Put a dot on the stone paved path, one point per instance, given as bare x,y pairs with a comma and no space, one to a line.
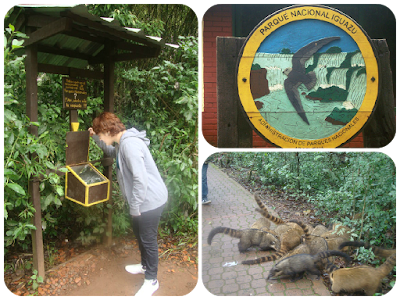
233,206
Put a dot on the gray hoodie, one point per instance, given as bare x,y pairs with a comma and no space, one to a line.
137,174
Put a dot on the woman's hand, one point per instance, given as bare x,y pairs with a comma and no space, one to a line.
91,132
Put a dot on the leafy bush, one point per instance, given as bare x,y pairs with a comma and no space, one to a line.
26,156
170,125
359,189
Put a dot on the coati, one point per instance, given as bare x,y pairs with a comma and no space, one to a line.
303,247
300,263
311,244
334,243
289,235
336,236
264,210
248,238
262,223
315,243
362,278
288,240
319,230
299,249
282,225
381,252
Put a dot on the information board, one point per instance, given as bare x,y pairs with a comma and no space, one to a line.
74,93
308,77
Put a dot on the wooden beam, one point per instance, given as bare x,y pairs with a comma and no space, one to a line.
73,118
39,20
20,22
234,130
128,46
31,68
380,129
109,78
73,72
135,52
59,26
108,232
84,73
135,55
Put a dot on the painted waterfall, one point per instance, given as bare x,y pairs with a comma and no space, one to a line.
343,71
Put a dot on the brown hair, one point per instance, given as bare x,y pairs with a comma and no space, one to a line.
108,122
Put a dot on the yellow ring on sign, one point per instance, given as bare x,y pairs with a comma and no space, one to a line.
250,48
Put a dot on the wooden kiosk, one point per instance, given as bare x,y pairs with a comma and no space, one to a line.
67,40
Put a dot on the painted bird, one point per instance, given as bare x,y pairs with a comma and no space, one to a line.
297,74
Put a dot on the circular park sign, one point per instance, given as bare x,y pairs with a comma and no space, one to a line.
308,77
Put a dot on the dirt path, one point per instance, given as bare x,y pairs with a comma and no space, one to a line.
107,277
101,272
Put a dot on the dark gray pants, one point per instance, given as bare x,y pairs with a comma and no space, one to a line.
145,228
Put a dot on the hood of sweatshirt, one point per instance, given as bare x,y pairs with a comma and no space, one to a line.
133,132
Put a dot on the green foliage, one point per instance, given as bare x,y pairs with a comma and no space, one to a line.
26,156
340,185
166,20
366,256
128,18
35,280
170,124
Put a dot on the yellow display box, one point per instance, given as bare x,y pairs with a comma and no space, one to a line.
84,184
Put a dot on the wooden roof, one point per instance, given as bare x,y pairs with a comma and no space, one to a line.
71,37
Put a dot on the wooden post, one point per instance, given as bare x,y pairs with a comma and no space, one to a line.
234,131
73,119
109,106
381,128
31,67
109,203
109,79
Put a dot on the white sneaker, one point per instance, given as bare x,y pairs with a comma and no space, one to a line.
135,269
148,288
